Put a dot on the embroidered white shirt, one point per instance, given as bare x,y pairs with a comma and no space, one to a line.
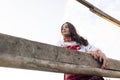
87,48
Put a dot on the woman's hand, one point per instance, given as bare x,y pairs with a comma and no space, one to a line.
100,56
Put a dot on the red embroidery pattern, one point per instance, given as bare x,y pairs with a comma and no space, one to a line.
76,47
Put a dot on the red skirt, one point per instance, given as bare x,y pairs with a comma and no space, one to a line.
81,77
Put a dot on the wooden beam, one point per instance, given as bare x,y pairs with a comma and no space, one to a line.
100,12
25,54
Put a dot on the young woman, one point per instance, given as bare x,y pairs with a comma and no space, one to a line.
72,40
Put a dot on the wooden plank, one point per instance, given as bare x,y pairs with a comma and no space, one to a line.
100,12
21,53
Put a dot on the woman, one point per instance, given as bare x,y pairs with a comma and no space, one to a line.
73,41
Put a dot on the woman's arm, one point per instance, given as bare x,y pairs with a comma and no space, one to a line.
98,55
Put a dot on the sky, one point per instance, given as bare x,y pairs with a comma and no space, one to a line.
41,20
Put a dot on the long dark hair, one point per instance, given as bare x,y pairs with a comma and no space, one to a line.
74,35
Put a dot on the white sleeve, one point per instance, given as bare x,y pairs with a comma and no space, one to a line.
89,48
60,44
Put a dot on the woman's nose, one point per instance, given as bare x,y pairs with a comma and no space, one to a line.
64,28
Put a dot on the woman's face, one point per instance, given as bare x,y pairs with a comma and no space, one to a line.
65,30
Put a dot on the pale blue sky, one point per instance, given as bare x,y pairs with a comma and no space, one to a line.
40,20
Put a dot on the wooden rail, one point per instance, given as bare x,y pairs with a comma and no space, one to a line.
25,54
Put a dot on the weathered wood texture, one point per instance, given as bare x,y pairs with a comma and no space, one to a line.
21,53
99,12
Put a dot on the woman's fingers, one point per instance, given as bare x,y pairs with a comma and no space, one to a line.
93,55
103,59
105,63
100,57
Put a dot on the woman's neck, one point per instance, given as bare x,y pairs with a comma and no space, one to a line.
67,39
